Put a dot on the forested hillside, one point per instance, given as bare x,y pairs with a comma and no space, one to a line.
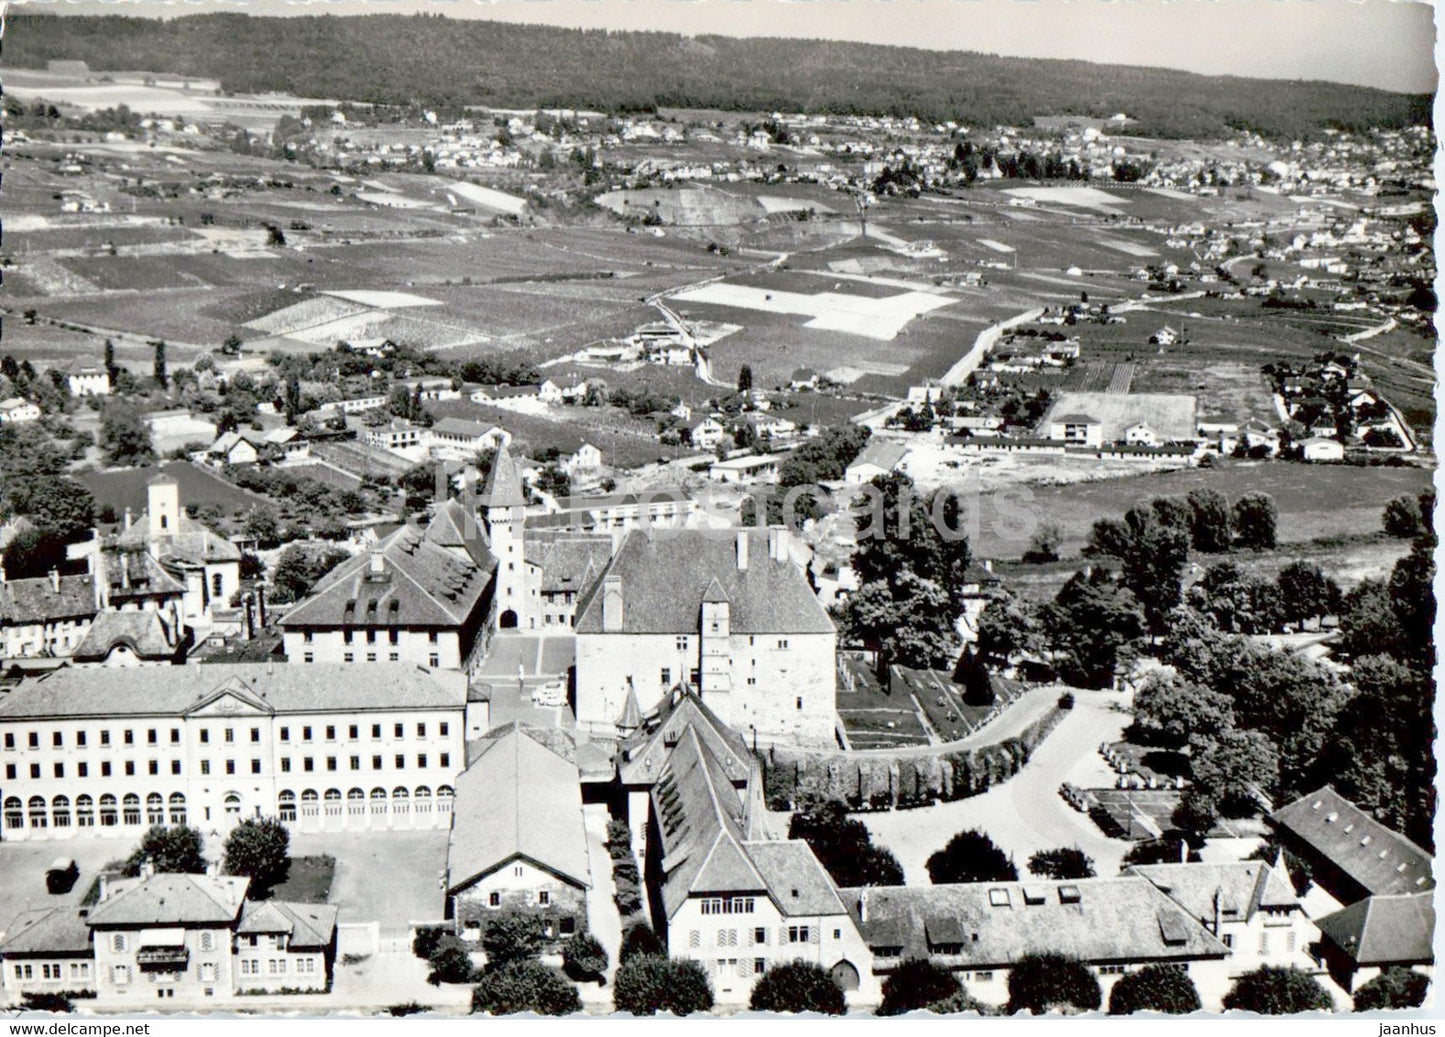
433,60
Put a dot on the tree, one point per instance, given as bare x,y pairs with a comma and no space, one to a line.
1305,592
124,437
1402,517
1007,626
904,621
1396,987
1067,862
259,847
639,940
1044,544
512,937
158,365
1229,768
797,986
1088,625
584,958
262,525
55,503
110,366
916,984
1255,517
971,856
975,678
1168,711
1151,565
525,986
745,379
1042,982
650,983
1173,513
844,846
1154,988
175,849
1271,990
299,568
1239,601
33,551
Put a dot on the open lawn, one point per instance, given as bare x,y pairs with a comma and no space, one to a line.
874,718
123,488
308,880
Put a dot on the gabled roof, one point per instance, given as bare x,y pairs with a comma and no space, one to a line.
1243,886
644,753
1098,920
146,632
46,930
796,880
1391,929
171,899
192,541
570,561
309,926
665,576
81,366
504,483
451,526
421,584
885,453
133,573
37,601
80,692
518,799
1074,419
1379,859
463,427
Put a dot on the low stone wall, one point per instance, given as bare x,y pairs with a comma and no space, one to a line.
898,779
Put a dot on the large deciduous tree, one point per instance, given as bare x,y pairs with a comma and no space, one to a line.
1255,518
261,848
971,856
174,849
1209,524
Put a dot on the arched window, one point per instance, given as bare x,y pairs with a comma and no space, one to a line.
444,799
332,798
84,812
60,812
108,816
422,799
178,808
286,805
355,801
378,801
14,813
130,809
400,800
155,809
38,816
310,806
232,804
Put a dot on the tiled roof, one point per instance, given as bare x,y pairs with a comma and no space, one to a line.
462,427
451,526
885,453
80,365
261,687
46,930
518,799
1239,886
796,880
37,601
421,584
133,573
308,925
193,542
504,483
1096,920
569,561
645,751
171,899
1380,859
665,575
1385,930
145,632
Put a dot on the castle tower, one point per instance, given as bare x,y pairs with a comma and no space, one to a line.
715,669
502,506
163,506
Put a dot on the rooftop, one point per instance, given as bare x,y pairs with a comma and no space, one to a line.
37,601
1379,859
306,925
171,899
1385,930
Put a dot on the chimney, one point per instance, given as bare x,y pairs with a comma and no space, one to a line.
55,580
102,887
988,565
378,563
261,606
778,545
127,519
863,905
3,578
249,624
742,550
612,604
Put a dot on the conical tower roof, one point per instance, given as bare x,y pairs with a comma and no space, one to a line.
504,483
631,718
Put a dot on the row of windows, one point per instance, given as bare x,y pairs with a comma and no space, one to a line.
544,898
308,763
128,737
79,970
82,769
347,636
358,801
255,766
726,905
786,935
433,659
353,731
203,736
111,811
277,966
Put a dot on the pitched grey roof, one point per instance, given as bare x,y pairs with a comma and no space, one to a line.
131,574
46,930
1380,859
1096,920
518,799
256,687
569,561
146,632
462,427
452,526
171,899
796,880
308,925
665,576
504,483
37,601
192,542
1385,930
885,453
422,584
1241,886
644,752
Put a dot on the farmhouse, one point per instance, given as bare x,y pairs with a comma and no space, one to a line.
730,615
16,411
1093,418
517,841
879,458
87,378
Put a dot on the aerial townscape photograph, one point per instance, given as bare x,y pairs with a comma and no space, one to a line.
635,508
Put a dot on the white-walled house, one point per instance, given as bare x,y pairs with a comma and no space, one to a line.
87,378
1320,449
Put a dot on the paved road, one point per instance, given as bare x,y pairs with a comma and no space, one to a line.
1025,813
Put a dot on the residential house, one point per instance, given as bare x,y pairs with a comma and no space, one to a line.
84,754
456,439
16,411
1377,933
1320,450
707,433
880,457
731,615
1077,429
397,435
46,950
233,448
929,392
144,637
283,946
517,839
748,468
560,565
87,378
1140,434
45,615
